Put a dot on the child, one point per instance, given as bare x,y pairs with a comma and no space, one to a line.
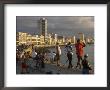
86,65
23,64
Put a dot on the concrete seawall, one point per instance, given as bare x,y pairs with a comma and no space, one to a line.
49,68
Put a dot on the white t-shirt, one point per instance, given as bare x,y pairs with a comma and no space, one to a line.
34,54
59,50
53,55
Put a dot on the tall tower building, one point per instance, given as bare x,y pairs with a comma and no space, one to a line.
43,27
55,37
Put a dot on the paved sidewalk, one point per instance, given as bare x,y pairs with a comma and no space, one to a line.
49,68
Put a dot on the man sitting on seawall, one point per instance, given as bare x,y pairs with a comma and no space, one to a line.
86,66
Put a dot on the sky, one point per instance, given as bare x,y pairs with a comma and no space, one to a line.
62,25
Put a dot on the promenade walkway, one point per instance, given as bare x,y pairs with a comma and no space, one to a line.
48,68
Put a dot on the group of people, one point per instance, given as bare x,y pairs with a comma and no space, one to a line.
24,57
21,58
81,62
40,58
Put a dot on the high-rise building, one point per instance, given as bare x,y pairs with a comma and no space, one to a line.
74,39
63,39
82,37
56,36
43,27
49,39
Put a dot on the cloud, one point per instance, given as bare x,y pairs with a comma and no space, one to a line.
67,25
86,22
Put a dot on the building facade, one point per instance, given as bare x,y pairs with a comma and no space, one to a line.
81,35
43,27
21,38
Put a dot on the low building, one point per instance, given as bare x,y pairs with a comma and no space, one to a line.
29,39
41,40
60,39
21,38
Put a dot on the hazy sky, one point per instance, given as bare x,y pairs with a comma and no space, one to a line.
62,25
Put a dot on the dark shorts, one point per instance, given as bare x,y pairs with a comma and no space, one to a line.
69,55
79,57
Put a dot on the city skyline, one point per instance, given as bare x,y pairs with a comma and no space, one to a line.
62,25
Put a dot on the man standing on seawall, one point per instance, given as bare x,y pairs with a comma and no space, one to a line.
79,51
58,54
69,50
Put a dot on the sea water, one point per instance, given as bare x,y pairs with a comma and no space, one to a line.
89,49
